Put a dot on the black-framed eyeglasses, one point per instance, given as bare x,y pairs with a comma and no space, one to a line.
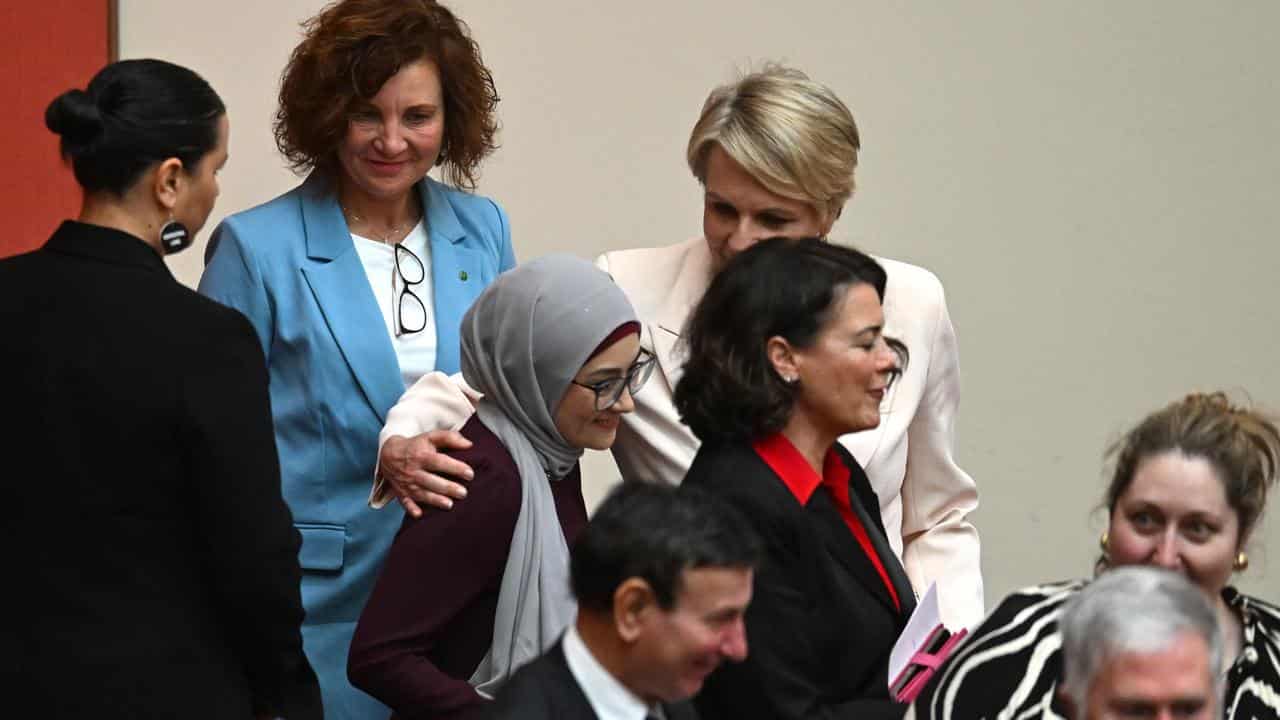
412,272
609,392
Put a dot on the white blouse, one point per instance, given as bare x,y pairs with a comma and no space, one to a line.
415,351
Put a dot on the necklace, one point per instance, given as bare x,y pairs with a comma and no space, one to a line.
393,235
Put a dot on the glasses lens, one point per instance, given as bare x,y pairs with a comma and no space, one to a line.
608,392
409,265
640,373
413,314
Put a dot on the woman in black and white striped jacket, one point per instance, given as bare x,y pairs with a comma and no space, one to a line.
1189,486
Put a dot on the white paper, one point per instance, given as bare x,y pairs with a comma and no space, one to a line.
921,624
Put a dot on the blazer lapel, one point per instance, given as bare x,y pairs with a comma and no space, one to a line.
841,544
862,497
686,291
341,288
570,701
456,278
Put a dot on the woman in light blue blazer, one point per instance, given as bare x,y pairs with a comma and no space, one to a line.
356,281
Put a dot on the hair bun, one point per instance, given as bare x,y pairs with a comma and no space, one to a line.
75,116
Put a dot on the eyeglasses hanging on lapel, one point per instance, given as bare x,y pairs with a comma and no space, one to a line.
411,272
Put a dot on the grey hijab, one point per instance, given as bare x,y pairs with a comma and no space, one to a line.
523,341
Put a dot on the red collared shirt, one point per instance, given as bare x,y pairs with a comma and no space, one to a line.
788,464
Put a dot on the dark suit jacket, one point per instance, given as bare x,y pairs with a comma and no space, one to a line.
821,622
546,689
151,556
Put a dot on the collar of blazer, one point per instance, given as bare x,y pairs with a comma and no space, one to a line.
802,481
105,244
688,288
342,289
328,236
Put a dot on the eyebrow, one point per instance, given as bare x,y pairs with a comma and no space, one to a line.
612,373
772,209
606,373
874,330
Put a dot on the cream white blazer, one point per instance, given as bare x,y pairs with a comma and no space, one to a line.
925,498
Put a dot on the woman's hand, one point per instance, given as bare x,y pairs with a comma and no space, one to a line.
414,468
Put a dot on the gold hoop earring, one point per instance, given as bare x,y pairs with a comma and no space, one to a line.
1103,541
1242,562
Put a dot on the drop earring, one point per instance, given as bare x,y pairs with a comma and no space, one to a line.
1241,563
174,236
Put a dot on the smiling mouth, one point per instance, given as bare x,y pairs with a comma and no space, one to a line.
386,165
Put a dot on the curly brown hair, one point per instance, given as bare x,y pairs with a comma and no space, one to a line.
351,49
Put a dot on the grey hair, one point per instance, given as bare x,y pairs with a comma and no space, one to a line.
1134,609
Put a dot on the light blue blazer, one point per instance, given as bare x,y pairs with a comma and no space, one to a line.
291,267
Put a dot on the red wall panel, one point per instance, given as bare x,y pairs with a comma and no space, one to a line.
49,46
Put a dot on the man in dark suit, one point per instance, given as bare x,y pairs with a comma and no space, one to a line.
663,579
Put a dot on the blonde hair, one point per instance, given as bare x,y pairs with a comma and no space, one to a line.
791,134
1242,444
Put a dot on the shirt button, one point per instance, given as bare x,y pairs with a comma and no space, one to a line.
462,275
1250,655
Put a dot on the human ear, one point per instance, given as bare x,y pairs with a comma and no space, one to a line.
632,601
783,358
168,181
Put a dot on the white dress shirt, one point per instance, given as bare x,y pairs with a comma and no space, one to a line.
610,699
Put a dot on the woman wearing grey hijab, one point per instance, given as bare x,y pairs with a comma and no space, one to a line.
467,596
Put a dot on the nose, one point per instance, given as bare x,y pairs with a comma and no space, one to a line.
390,141
1167,553
887,359
625,403
734,643
745,234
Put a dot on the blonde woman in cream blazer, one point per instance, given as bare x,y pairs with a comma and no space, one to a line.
925,496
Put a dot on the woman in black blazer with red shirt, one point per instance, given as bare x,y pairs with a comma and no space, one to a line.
786,354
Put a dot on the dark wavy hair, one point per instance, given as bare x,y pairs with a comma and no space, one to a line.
133,114
783,287
346,55
656,532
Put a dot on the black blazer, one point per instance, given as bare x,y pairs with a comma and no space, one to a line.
546,689
821,622
150,553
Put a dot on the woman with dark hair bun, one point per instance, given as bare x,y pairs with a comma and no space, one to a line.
786,354
356,281
158,569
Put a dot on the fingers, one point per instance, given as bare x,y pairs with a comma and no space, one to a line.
410,506
423,487
425,484
447,439
437,501
444,465
427,497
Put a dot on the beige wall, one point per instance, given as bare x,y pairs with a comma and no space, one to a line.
1096,183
